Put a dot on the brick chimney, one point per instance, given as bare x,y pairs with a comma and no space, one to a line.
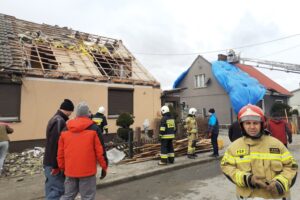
222,57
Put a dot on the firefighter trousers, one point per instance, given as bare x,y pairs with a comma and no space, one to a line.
167,151
191,143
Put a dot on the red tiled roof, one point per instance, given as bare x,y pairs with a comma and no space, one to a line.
263,79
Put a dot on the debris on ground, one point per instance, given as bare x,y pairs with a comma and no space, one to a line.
152,151
28,162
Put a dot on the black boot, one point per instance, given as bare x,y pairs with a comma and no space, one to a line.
190,156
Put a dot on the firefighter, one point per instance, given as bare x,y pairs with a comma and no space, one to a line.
259,165
100,119
191,127
166,135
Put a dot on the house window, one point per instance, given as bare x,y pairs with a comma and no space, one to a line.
200,81
120,101
10,100
279,101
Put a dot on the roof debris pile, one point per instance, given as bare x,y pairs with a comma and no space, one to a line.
28,162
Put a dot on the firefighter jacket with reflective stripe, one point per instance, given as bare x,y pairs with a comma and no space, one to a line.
265,157
167,127
101,121
191,124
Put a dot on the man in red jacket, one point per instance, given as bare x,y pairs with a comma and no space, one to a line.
279,129
79,149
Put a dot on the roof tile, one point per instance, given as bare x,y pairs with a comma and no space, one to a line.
263,79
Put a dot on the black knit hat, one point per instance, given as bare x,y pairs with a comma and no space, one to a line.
211,110
67,105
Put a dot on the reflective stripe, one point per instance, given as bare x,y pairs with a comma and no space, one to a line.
97,120
257,156
168,136
228,159
239,179
105,127
287,156
162,128
284,181
171,155
170,123
163,155
265,156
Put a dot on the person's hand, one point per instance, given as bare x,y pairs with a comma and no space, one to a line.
103,174
275,188
290,140
258,182
55,171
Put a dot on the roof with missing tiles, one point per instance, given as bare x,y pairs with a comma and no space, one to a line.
41,50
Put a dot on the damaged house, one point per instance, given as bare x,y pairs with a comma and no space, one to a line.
41,65
200,89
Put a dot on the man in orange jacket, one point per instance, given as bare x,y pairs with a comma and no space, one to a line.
79,149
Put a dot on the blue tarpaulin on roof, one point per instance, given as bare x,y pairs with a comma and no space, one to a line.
241,88
180,78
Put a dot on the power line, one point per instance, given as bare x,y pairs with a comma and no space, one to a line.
217,51
281,51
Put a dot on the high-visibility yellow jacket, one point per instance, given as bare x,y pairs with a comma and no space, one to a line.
167,127
191,124
265,157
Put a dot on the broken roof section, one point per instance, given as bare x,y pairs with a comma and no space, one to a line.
41,50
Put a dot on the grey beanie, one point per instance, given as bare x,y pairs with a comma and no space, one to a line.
82,109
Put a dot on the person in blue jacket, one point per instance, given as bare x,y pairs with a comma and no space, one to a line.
213,131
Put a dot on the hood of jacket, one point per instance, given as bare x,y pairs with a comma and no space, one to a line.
79,124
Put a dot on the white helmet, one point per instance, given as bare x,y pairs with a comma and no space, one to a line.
231,56
192,111
164,109
101,110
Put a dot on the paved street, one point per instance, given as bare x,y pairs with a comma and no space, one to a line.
204,181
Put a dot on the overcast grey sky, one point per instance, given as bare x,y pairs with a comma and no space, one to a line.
178,27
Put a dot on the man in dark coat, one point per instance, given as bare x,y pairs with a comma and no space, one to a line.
54,185
234,131
213,131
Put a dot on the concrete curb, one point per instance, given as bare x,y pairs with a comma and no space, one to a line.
156,171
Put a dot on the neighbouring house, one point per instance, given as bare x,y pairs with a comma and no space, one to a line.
172,98
294,101
203,91
41,65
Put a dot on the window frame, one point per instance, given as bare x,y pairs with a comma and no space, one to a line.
279,101
15,112
199,81
112,114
